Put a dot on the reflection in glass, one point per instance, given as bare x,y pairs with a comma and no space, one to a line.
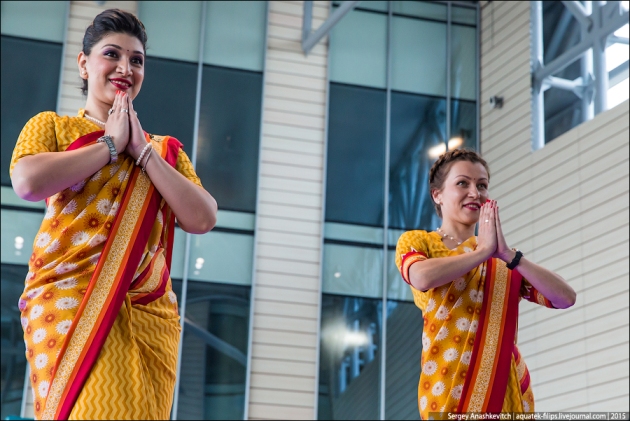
397,288
355,168
418,125
13,358
463,123
404,346
463,62
214,356
229,136
349,367
353,270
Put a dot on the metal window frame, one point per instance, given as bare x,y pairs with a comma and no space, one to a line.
309,40
598,22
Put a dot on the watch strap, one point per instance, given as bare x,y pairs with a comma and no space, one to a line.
516,260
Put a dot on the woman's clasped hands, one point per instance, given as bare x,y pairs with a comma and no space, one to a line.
124,127
490,238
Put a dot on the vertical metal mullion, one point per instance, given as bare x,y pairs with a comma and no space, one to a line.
599,58
64,49
252,291
323,222
586,67
478,81
193,159
538,103
448,74
388,111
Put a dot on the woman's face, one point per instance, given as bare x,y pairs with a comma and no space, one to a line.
465,190
116,63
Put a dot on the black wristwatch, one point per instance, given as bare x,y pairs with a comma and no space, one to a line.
515,261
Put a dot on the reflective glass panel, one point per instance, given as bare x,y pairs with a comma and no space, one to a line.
19,229
214,353
467,15
404,346
358,51
166,103
349,365
13,357
417,139
355,167
397,288
353,270
418,56
173,27
463,64
21,73
42,20
463,125
421,9
229,136
235,34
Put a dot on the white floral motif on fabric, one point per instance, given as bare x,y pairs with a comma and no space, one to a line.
80,237
450,355
426,342
63,327
36,311
66,303
466,357
459,302
53,247
462,324
96,240
70,208
441,313
50,211
77,187
103,206
438,389
473,326
456,392
43,388
42,240
442,333
90,199
39,335
172,297
65,267
423,402
459,284
41,361
66,283
34,292
430,367
430,305
50,265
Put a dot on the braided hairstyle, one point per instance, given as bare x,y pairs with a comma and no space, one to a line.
441,167
112,21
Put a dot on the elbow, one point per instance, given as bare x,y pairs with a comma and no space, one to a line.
568,301
205,222
25,190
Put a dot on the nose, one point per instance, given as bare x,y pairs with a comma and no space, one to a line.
474,191
124,67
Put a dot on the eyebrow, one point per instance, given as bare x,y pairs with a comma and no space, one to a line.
465,176
120,48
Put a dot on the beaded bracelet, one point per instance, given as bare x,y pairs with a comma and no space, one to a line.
144,169
144,151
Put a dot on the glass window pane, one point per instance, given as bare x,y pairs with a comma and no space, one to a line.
349,361
358,49
353,270
397,288
173,28
19,229
10,198
355,167
379,6
42,20
165,107
418,56
229,136
404,346
222,257
235,34
22,72
417,139
353,233
463,125
466,15
13,360
463,64
214,352
420,9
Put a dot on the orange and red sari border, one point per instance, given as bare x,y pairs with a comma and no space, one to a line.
409,259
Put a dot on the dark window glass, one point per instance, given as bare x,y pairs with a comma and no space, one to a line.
13,359
229,136
214,358
349,365
417,125
26,89
404,346
166,104
463,123
356,139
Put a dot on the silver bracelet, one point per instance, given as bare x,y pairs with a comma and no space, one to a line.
109,141
144,169
144,151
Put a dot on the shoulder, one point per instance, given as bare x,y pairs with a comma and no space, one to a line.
414,236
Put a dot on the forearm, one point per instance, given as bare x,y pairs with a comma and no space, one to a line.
194,208
548,283
37,177
433,273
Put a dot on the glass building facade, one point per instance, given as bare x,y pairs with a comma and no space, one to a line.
403,87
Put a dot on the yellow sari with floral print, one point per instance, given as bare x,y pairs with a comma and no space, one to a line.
100,318
470,361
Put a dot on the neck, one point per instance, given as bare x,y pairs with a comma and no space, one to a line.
460,231
97,109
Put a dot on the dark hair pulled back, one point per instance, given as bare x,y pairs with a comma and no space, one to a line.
108,22
441,167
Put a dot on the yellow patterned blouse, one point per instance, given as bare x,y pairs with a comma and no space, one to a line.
49,132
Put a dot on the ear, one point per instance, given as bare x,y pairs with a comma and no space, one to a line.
436,195
82,64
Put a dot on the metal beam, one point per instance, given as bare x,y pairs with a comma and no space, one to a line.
310,39
618,74
559,33
538,103
579,12
614,39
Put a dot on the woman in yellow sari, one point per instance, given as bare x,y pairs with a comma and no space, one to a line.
99,314
468,288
